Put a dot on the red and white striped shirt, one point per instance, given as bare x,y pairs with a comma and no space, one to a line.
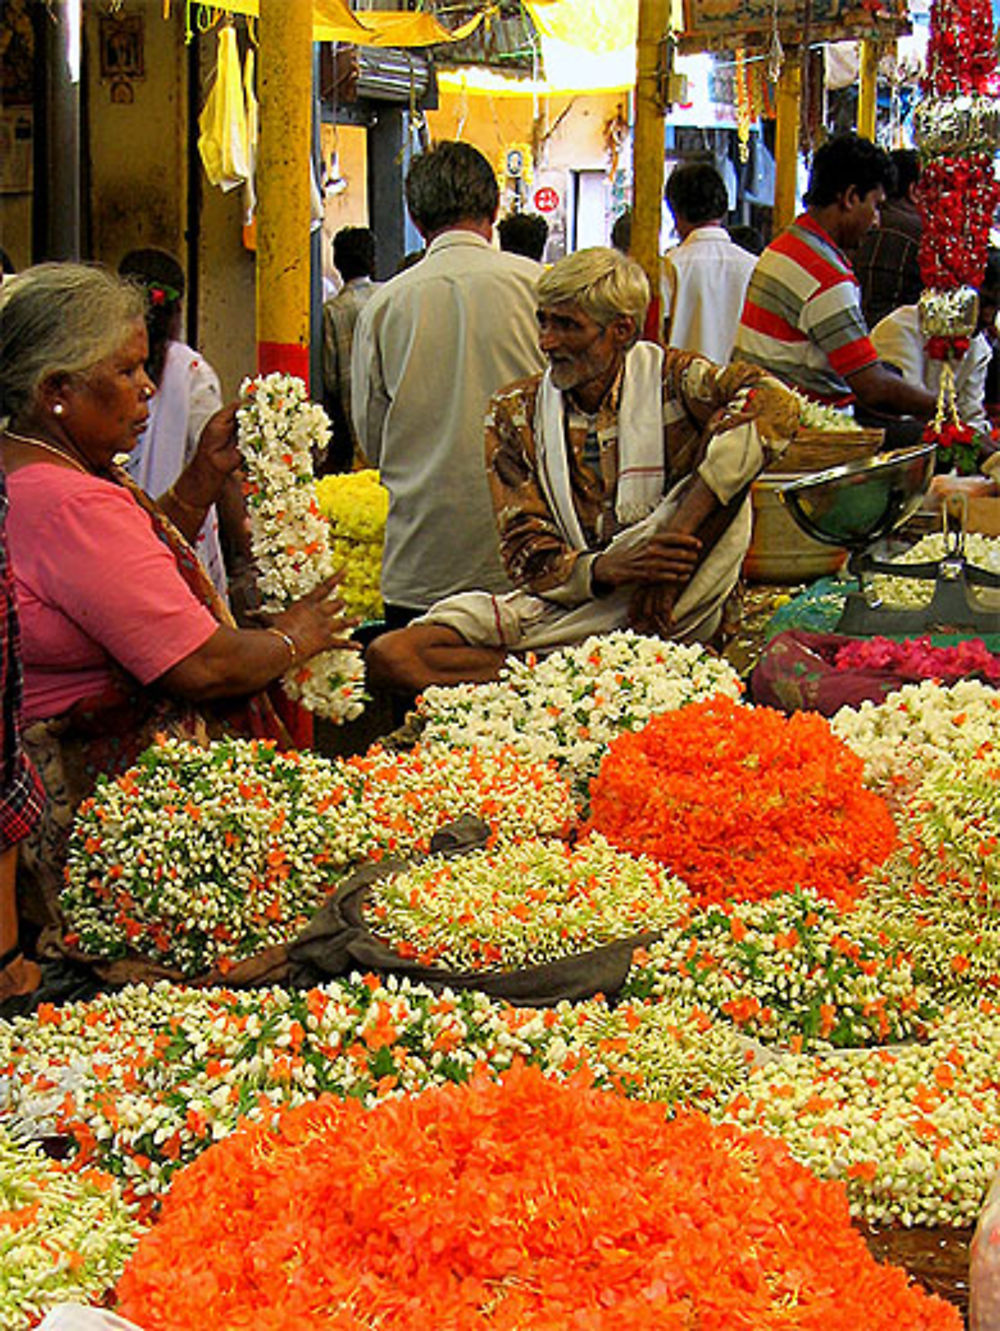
802,315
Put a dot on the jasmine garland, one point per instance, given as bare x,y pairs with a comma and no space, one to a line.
278,430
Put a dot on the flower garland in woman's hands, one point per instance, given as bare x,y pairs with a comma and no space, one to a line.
278,430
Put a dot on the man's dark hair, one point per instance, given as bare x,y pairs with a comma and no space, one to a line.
524,233
991,277
697,193
354,252
906,164
621,231
843,161
449,183
748,238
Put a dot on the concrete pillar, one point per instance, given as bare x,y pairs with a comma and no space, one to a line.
58,224
868,89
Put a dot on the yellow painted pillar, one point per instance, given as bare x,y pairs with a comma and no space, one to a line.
868,89
647,148
284,66
786,144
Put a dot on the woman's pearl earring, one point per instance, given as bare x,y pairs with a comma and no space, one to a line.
58,409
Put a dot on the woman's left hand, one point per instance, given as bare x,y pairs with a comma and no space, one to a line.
215,458
217,445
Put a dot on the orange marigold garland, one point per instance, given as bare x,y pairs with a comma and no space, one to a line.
742,802
505,1205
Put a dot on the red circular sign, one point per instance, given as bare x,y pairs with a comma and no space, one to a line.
546,199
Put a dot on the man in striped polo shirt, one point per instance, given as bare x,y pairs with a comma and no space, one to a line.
802,316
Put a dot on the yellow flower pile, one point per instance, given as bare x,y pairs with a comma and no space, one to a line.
356,505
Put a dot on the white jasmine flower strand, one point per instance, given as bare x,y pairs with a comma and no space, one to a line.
278,430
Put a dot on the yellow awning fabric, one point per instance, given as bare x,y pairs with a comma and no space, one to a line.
475,81
334,21
385,28
597,26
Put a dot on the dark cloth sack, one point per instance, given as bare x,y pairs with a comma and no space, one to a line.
338,941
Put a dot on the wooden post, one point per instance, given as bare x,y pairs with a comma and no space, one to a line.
787,140
654,17
283,186
868,88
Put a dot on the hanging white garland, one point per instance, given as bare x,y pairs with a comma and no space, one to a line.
278,430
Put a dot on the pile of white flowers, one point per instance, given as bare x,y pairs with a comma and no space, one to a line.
982,551
278,430
911,1130
522,905
669,1050
902,738
568,706
794,969
150,1076
817,416
64,1235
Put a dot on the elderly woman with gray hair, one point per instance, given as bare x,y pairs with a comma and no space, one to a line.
620,482
122,633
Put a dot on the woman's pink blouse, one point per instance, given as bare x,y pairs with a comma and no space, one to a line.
95,585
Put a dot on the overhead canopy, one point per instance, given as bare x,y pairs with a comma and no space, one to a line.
334,21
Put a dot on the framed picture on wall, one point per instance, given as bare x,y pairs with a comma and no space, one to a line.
122,47
16,149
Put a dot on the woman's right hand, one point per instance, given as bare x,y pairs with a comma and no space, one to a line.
316,622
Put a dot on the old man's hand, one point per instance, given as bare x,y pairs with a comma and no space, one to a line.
669,558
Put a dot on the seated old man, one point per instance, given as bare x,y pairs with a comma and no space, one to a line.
620,481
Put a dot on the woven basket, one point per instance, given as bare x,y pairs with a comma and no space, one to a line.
815,450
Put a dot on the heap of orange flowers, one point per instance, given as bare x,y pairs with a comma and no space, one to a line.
742,803
505,1205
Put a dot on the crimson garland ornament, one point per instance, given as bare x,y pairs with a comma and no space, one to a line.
957,127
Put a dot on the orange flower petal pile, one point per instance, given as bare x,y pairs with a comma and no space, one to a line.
743,802
523,1203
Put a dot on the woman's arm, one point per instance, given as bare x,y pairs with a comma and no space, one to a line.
235,661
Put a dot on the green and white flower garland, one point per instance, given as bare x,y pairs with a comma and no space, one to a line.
669,1050
792,970
278,430
938,898
144,1079
918,726
522,905
567,706
912,1131
65,1234
204,856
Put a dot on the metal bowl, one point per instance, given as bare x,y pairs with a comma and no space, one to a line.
855,504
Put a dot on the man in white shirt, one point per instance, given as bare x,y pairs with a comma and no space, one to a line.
430,349
354,259
898,340
705,277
